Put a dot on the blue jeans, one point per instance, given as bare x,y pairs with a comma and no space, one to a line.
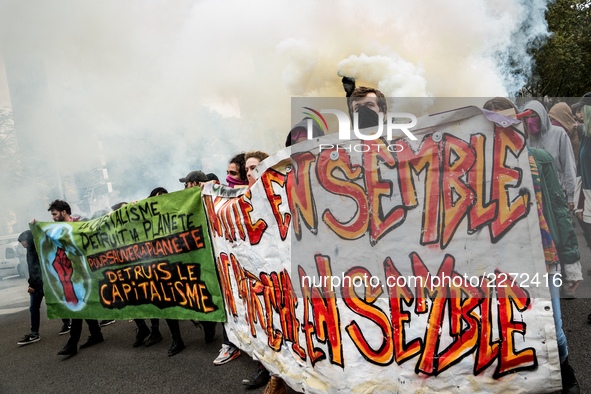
560,337
36,299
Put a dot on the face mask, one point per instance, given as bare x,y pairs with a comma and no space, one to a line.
367,118
233,182
534,125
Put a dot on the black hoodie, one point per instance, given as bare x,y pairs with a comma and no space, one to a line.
35,276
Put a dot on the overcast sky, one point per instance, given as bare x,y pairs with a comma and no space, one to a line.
169,87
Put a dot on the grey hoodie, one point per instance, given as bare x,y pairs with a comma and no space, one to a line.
554,140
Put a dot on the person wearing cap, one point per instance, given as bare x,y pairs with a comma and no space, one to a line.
577,111
583,194
212,177
577,108
194,178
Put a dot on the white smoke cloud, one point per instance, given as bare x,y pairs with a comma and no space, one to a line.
394,76
169,87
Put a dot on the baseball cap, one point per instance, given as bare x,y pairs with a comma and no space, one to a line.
194,176
585,100
212,177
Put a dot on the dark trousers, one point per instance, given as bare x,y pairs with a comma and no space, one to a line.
36,299
76,330
586,231
175,330
208,329
155,323
225,335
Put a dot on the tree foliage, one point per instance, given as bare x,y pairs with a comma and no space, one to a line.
563,65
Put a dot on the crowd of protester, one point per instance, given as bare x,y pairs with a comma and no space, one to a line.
559,149
553,168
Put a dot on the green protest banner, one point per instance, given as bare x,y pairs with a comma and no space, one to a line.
149,259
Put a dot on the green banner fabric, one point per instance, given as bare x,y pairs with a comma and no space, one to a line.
149,259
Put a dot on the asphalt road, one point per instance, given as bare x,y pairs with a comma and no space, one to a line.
114,366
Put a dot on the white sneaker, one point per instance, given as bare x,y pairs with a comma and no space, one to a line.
227,354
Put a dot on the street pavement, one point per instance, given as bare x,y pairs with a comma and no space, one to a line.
114,366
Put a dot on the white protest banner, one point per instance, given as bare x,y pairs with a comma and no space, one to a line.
392,266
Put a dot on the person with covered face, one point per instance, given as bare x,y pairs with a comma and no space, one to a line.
554,140
236,177
559,240
561,115
236,172
299,132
